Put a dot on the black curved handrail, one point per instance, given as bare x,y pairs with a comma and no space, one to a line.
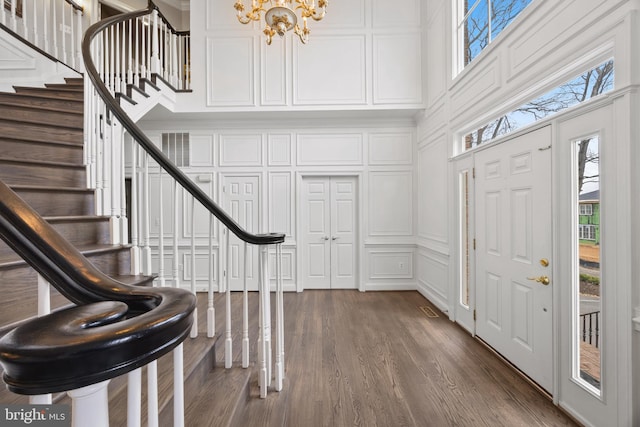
137,134
115,328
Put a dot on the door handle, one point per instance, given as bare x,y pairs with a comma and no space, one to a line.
542,279
325,238
334,238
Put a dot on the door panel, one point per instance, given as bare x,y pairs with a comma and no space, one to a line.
513,193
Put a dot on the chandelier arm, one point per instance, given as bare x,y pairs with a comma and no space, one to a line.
304,36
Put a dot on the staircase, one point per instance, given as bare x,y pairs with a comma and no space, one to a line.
41,159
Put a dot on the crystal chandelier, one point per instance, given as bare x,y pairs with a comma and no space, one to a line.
281,17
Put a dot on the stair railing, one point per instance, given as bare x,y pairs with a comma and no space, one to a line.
121,54
53,26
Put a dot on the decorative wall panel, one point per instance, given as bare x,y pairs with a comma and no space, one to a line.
330,70
273,75
279,149
432,175
397,69
390,203
390,264
329,149
201,150
280,203
390,148
241,150
388,13
230,71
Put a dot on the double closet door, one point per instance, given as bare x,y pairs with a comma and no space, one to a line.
329,224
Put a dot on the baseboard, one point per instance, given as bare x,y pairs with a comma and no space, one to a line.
434,297
390,286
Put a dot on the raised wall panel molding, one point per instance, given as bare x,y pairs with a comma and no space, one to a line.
202,265
241,150
206,182
13,57
201,150
397,68
390,264
390,203
281,203
391,14
482,83
329,149
436,80
391,148
432,162
230,74
330,70
279,150
433,274
273,76
288,266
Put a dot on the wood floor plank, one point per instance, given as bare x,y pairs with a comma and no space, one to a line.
375,359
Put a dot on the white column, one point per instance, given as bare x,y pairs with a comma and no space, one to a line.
90,405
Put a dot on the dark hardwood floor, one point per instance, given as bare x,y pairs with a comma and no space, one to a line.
376,359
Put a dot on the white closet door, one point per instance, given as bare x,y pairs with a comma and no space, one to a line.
329,232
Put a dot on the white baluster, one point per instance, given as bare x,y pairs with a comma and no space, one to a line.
98,158
14,19
106,166
152,394
63,34
179,60
117,48
174,60
178,387
263,375
134,398
136,63
54,28
72,38
114,220
114,197
130,54
228,342
154,48
124,222
176,255
211,311
161,274
194,327
146,219
111,62
279,320
245,310
46,13
44,308
135,197
79,32
163,47
35,24
90,405
25,28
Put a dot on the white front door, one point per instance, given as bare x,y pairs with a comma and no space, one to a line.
513,254
329,232
241,202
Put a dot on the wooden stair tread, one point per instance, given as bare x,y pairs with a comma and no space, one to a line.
16,130
23,187
43,163
13,261
43,101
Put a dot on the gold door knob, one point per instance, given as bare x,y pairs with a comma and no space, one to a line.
542,279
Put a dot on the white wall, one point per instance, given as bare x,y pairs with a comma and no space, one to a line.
379,152
365,54
550,43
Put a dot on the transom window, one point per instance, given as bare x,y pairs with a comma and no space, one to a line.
593,82
480,22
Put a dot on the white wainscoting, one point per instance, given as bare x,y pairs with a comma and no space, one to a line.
391,148
433,275
241,150
231,77
397,72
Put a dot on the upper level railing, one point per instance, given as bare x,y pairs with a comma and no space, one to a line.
53,26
